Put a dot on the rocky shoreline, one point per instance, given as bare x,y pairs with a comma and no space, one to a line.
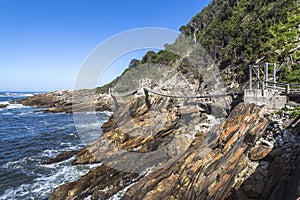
63,101
146,153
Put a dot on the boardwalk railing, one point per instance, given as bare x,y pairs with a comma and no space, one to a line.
285,88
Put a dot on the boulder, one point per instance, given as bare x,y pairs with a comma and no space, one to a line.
3,105
259,152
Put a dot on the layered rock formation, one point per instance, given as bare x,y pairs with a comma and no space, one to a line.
63,101
150,151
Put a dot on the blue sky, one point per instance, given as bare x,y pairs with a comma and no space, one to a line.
43,43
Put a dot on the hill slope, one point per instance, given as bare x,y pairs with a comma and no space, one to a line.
236,33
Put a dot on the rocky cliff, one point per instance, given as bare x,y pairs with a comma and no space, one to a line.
150,150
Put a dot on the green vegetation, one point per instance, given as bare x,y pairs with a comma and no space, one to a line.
239,32
236,33
293,113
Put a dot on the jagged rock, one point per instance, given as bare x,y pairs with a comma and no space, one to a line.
3,105
213,165
99,183
201,159
274,178
60,157
209,176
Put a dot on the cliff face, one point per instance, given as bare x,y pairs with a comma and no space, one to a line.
147,152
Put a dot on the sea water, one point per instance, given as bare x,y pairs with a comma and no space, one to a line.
27,138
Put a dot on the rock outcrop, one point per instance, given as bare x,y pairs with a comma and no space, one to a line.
277,173
63,101
3,105
61,157
149,151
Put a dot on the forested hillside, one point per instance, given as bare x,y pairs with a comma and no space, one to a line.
237,33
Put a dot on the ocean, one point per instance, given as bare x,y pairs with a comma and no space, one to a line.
27,138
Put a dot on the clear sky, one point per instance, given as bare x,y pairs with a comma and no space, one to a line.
44,42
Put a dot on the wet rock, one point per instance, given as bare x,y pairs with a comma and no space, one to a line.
61,157
99,183
3,105
257,190
264,164
247,188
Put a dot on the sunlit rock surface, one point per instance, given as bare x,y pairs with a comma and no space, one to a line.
150,151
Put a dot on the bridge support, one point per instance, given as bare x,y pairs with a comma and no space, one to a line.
250,77
274,75
265,91
268,97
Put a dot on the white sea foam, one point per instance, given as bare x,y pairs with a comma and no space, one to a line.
107,113
17,164
69,144
88,125
16,106
13,94
7,113
25,113
43,186
49,153
88,197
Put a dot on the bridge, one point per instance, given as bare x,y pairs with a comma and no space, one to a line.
265,90
262,89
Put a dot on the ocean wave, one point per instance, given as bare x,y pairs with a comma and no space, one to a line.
108,113
15,94
49,153
18,164
42,186
26,113
7,113
89,125
16,106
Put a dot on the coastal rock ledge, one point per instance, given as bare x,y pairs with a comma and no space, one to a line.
68,101
245,157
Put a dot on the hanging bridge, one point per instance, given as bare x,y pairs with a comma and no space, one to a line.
261,89
208,96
